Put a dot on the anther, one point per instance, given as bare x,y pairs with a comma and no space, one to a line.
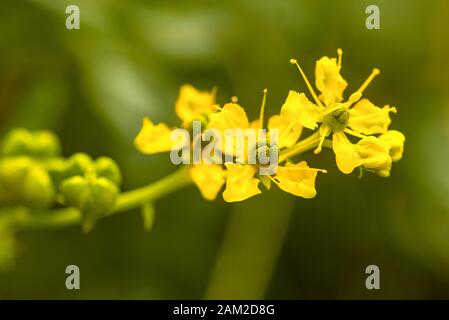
340,54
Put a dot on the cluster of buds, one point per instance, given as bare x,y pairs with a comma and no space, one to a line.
33,174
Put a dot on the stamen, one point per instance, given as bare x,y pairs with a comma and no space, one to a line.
307,169
340,54
324,131
355,97
354,133
374,73
262,108
216,106
320,145
234,99
272,179
309,86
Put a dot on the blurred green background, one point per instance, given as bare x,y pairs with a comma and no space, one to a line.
93,86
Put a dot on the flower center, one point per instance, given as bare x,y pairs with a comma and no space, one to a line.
337,119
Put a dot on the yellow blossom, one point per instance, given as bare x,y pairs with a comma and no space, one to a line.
338,117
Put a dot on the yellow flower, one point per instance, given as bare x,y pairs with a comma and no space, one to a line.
240,182
193,104
154,138
336,116
209,178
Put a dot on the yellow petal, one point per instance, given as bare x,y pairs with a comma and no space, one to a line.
395,141
297,179
209,178
193,104
345,153
329,81
154,138
288,131
231,116
375,154
368,119
240,182
297,108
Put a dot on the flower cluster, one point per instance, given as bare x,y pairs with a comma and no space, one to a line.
34,175
329,115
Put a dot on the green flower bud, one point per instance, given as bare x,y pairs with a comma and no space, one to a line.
106,167
39,144
17,142
47,144
76,191
25,182
78,165
56,168
93,196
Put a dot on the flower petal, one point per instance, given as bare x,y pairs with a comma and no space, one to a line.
329,81
346,154
395,141
297,108
240,182
193,104
154,138
231,116
375,155
297,179
368,119
288,131
209,178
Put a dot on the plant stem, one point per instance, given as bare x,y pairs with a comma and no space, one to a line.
304,145
26,219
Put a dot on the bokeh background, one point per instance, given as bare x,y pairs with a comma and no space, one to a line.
93,86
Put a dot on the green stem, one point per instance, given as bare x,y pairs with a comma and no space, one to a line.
26,219
304,145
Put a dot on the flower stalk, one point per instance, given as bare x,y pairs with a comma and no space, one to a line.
24,219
